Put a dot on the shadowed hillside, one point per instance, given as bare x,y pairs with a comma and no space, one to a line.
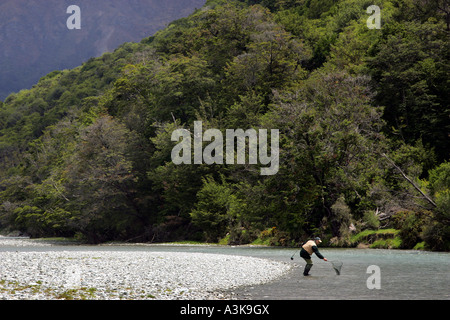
35,40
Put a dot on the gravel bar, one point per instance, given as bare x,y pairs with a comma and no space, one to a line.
131,275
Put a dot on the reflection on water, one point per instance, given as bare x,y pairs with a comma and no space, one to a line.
403,274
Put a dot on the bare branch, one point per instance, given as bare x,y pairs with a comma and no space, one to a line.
410,181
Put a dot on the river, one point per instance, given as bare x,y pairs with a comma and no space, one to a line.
367,274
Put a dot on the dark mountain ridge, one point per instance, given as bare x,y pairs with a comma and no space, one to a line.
35,39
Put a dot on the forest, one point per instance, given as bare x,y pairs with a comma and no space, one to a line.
363,116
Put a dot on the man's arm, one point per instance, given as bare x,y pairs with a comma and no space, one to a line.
318,254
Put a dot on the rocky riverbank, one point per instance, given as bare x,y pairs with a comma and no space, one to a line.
128,274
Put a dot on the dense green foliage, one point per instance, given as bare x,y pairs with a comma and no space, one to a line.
87,152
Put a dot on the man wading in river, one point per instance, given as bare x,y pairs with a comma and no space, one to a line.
307,250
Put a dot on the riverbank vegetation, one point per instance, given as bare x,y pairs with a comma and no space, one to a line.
362,113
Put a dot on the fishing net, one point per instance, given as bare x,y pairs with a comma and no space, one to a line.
337,266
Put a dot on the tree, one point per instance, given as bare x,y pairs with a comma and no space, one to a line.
332,136
273,60
212,212
410,69
102,182
436,232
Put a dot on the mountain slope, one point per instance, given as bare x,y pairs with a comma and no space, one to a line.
35,40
